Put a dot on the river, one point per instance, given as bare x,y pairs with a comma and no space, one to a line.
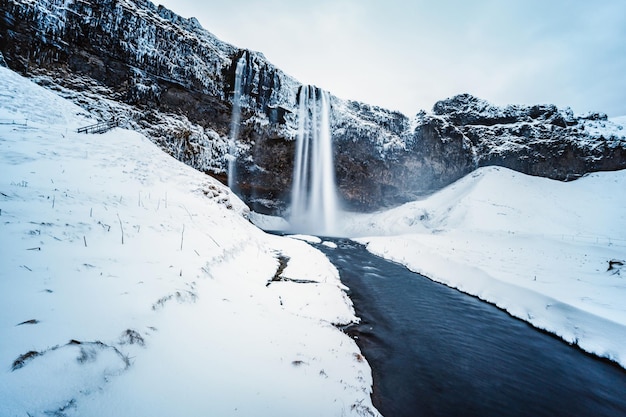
435,351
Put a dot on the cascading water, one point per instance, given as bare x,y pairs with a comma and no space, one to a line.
235,120
314,203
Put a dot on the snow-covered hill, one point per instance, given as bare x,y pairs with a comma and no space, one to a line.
548,252
133,285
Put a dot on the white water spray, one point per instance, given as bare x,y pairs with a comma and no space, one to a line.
235,119
314,204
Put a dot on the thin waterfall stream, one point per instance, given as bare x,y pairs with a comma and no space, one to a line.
234,123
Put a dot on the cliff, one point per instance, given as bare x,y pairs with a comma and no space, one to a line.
173,80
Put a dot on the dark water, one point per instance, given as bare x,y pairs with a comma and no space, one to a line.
437,352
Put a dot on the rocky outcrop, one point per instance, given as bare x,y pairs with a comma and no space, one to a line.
173,80
539,140
383,156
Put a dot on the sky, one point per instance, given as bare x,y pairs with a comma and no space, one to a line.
406,55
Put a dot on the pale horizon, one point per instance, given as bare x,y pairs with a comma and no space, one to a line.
407,55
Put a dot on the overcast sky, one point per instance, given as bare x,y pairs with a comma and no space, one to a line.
406,55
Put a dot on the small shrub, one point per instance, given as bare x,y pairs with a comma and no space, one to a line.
160,303
23,359
132,337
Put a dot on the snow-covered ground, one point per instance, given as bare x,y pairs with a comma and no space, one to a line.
548,252
619,120
132,285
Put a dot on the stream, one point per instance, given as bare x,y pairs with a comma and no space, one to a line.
435,351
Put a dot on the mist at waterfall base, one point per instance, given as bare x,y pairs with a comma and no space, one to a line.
314,203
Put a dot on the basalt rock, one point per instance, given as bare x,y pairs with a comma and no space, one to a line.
173,80
539,140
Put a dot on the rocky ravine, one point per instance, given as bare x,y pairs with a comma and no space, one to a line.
171,79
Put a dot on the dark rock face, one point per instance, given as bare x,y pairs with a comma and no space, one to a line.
261,83
538,140
174,81
391,163
264,170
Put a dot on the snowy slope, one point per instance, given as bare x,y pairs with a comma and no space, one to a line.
547,252
132,285
619,120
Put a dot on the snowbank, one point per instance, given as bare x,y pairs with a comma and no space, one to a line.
547,252
131,285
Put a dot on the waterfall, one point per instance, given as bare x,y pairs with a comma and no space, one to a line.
314,204
234,122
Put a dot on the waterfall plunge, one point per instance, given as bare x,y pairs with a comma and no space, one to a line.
314,204
235,119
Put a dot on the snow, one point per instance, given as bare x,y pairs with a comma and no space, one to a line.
368,122
619,120
131,284
306,238
267,222
538,248
613,128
